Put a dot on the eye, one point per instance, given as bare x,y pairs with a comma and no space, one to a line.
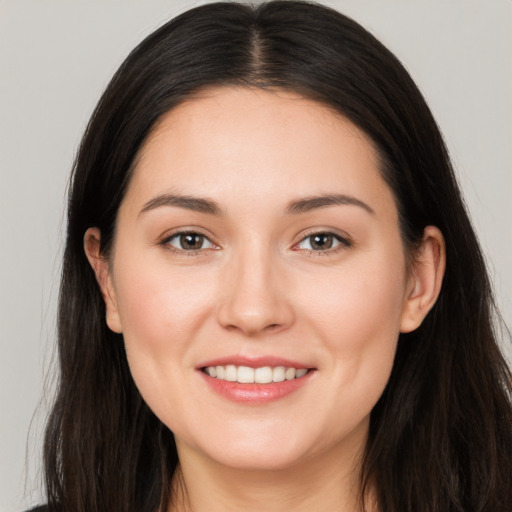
189,241
322,242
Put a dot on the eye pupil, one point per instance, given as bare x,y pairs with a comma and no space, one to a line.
321,241
191,241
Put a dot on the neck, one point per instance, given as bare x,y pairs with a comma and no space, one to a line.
328,482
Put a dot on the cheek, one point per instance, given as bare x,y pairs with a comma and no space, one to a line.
356,298
157,305
161,311
357,316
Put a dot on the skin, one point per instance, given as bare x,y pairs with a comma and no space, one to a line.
256,287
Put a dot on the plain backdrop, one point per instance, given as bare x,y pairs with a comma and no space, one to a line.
56,57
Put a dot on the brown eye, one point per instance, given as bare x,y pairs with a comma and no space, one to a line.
189,242
322,242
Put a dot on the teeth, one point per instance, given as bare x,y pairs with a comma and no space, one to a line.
263,375
278,374
290,373
230,373
247,375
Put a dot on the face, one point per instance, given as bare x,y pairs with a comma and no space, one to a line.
259,278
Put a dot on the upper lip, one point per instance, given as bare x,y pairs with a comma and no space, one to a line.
254,362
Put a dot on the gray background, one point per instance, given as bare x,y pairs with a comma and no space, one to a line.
55,59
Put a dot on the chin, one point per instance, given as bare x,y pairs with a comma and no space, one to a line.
258,458
266,450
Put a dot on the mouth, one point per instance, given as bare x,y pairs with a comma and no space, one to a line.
248,375
255,380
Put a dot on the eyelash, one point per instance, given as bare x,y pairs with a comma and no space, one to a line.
184,252
344,243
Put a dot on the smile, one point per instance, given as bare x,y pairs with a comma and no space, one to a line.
248,375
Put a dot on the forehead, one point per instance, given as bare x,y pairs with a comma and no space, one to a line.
256,143
243,113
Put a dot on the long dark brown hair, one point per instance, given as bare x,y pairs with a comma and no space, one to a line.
440,437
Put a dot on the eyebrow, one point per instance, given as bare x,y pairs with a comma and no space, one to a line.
209,206
308,204
196,204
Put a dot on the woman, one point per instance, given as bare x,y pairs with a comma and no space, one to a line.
263,305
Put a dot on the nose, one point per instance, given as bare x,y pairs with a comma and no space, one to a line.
255,296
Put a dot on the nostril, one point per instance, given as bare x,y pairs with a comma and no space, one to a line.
251,313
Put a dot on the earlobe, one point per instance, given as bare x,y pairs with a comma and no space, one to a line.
425,280
100,265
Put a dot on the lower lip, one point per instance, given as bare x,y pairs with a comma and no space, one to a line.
255,393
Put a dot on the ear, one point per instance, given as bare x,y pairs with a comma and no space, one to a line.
425,280
101,268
